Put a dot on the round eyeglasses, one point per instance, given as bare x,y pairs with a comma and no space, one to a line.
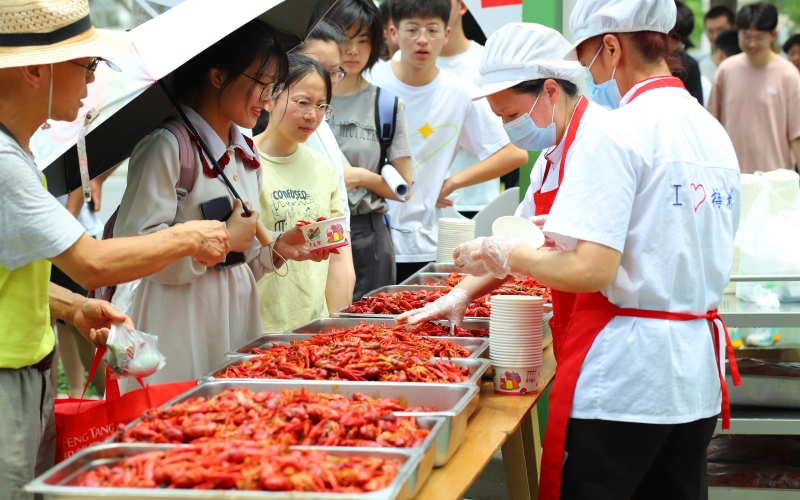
304,108
337,75
269,91
432,32
92,66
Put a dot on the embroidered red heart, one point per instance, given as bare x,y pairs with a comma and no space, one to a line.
695,187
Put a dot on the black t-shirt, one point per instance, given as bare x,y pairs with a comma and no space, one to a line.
690,75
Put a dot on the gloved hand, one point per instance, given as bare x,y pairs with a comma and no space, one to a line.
450,307
538,220
486,255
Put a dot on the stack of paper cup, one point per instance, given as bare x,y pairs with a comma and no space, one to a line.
515,343
785,193
751,187
453,232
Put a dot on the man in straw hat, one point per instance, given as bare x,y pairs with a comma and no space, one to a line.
48,53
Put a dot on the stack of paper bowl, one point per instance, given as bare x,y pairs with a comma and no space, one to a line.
785,193
453,232
515,343
751,187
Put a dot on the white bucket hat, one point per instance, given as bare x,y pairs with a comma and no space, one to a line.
595,17
53,31
519,52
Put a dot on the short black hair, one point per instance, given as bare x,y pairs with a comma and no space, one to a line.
728,43
791,42
364,14
406,9
326,31
761,16
684,20
535,87
719,11
386,11
255,41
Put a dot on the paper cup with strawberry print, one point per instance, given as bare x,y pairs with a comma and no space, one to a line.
516,380
326,234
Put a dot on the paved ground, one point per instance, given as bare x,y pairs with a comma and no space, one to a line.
491,484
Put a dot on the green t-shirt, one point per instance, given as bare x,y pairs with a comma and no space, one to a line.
303,185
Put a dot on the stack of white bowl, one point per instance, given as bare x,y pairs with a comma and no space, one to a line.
453,232
515,343
785,193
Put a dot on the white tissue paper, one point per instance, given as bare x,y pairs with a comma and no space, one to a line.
764,298
395,181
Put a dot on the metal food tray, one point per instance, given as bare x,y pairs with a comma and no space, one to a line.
59,482
773,392
479,346
422,279
454,403
323,325
439,267
476,369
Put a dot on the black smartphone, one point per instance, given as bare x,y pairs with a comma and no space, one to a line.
221,209
217,209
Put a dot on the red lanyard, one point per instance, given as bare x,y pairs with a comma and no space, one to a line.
658,83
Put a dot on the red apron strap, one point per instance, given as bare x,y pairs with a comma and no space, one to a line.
658,83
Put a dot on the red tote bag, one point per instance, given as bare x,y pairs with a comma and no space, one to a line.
82,422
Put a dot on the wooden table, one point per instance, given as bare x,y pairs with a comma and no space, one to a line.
509,422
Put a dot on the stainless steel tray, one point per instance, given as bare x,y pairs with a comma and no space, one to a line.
326,324
422,279
439,267
773,392
58,482
455,403
476,369
478,345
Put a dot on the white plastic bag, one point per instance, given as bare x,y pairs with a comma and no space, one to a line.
130,353
770,241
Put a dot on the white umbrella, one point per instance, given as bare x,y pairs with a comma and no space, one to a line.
130,105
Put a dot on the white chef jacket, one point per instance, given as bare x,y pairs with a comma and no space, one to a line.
527,208
658,181
198,313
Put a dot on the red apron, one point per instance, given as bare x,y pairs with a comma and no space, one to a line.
592,312
563,302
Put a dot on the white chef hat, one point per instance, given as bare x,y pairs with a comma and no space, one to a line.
595,17
519,52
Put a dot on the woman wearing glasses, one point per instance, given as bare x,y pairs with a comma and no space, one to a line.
299,184
199,313
354,128
322,44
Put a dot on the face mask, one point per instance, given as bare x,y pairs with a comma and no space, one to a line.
607,93
524,134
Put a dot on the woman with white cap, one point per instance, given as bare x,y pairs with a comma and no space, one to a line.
648,210
532,88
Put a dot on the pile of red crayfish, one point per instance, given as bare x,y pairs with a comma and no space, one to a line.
437,330
245,465
350,360
290,417
400,302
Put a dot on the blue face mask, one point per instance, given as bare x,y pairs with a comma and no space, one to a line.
607,93
524,134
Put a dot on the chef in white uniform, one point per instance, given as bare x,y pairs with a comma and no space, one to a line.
648,210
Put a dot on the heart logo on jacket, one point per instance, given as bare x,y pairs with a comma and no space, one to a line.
695,195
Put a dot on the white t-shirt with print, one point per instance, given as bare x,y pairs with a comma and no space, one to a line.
442,120
527,208
658,181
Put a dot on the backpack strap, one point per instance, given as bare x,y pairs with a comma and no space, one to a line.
186,157
385,121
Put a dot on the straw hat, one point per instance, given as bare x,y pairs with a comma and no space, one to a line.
52,31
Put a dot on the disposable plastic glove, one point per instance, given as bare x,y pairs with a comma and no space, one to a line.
538,221
450,307
490,257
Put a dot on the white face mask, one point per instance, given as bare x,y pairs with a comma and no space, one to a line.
607,93
524,133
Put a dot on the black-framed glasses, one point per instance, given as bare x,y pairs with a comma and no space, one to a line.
337,75
92,66
269,91
304,108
